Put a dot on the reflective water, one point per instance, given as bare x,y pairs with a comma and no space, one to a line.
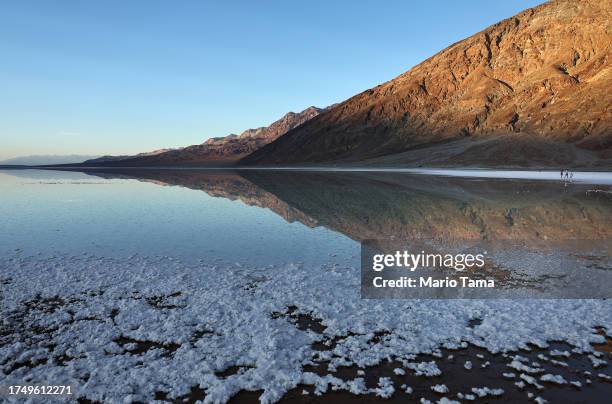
272,217
54,212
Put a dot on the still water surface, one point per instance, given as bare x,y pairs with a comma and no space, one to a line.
269,218
55,212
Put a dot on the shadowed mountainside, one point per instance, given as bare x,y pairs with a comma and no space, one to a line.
105,159
543,76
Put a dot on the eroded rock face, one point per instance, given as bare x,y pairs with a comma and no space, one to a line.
544,72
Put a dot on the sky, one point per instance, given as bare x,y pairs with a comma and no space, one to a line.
122,77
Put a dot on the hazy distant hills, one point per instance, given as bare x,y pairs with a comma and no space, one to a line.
533,89
216,151
105,159
46,160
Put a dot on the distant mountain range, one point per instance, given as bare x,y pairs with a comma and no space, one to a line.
105,159
531,90
217,151
46,160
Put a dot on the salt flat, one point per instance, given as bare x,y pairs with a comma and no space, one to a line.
122,329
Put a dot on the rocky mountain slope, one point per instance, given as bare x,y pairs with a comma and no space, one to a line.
543,75
215,151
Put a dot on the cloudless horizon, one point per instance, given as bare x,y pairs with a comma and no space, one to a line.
116,77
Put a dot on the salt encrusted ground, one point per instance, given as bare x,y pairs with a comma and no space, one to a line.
144,328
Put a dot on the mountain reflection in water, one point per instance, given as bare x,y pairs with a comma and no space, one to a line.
402,206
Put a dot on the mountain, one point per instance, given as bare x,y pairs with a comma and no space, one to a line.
107,158
533,89
216,151
38,160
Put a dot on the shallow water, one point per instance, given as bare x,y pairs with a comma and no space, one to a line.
276,217
271,217
58,212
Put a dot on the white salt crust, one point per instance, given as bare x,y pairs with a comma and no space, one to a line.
205,319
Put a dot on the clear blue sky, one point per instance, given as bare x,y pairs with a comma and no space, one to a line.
115,77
